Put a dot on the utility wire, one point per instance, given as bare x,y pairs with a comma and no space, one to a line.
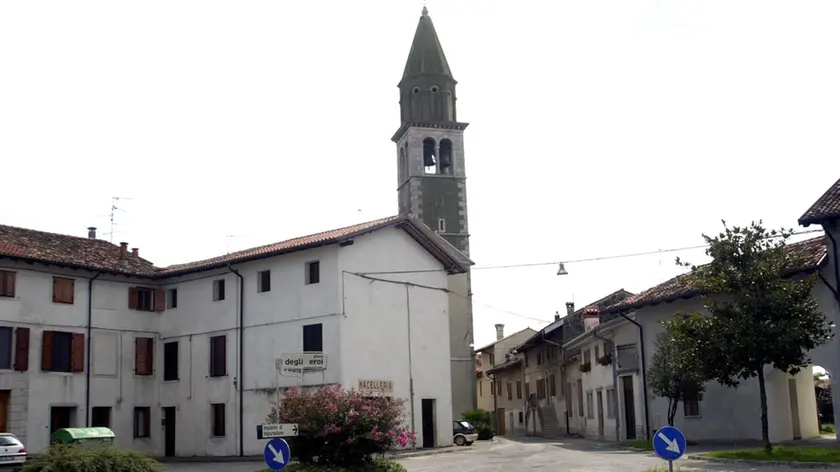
575,261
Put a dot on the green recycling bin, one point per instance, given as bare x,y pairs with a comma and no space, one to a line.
84,436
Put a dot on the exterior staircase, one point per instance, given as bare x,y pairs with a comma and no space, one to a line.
551,427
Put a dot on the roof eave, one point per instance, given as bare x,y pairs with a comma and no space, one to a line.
70,265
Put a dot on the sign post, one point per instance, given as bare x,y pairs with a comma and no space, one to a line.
669,444
277,454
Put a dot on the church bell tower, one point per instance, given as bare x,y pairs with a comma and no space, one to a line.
431,185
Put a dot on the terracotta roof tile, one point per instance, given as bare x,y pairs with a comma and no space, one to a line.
680,286
827,207
96,254
505,365
71,251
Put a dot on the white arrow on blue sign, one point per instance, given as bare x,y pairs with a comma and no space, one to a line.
277,454
669,443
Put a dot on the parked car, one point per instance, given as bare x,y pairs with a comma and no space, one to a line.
464,433
12,452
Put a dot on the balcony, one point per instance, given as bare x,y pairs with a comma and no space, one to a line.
627,358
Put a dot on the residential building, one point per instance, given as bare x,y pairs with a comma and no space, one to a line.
492,355
507,386
431,183
93,334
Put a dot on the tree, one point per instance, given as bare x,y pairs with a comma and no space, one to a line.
677,369
762,312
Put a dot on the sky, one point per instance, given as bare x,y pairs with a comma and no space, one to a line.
596,128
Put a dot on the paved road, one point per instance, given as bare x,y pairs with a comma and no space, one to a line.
515,456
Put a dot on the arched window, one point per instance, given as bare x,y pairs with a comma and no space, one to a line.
445,156
429,156
402,169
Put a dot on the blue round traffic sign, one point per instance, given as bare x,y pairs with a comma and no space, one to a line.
277,454
669,443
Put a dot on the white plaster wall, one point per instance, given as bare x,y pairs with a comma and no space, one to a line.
383,353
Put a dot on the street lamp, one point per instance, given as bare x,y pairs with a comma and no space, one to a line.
561,269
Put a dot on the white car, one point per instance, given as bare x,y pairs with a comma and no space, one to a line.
464,433
12,452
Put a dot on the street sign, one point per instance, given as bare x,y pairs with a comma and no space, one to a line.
294,365
279,430
383,387
277,454
669,444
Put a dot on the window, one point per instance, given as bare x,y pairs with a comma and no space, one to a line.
63,352
541,389
313,272
610,403
313,338
539,358
492,360
527,390
480,389
492,387
441,225
590,405
580,397
521,417
142,421
218,290
217,411
5,348
100,417
691,404
597,352
172,298
552,385
146,299
587,357
510,391
519,390
499,389
144,349
7,284
264,281
218,356
170,360
64,290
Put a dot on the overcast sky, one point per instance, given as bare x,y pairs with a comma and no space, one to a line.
597,128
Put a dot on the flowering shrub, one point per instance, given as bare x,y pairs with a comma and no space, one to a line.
342,427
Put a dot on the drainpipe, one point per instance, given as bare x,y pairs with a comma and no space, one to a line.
644,374
241,329
87,347
410,368
611,344
493,391
836,289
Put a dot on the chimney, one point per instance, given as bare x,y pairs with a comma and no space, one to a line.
92,232
556,316
570,308
591,317
135,252
123,250
500,332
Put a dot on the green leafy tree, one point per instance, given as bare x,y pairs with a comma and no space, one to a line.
761,313
677,369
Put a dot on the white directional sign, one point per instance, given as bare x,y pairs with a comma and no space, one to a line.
294,365
278,430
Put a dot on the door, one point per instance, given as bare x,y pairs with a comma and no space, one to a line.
61,417
600,405
4,410
510,422
169,431
794,409
500,420
427,411
629,407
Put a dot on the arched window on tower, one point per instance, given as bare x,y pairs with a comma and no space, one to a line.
445,156
429,156
402,169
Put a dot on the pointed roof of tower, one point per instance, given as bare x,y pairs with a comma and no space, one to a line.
426,55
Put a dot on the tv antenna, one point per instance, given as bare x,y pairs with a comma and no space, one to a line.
113,213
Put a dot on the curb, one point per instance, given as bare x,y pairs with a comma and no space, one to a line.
792,465
393,456
431,452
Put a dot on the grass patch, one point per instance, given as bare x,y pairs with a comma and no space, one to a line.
828,428
647,445
782,453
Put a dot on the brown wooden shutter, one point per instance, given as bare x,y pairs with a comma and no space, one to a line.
160,300
133,298
22,349
510,391
139,356
147,423
519,390
7,284
46,350
77,352
552,380
222,355
69,293
527,389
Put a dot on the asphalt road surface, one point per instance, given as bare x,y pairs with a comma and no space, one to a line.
519,456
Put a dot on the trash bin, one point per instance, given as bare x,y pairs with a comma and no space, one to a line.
84,436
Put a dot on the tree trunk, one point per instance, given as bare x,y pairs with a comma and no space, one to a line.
672,410
765,430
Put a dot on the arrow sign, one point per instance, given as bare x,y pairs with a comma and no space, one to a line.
277,454
669,443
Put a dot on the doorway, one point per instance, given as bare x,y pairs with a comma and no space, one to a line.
169,431
510,422
100,416
4,410
629,406
427,412
600,404
794,409
500,419
62,417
